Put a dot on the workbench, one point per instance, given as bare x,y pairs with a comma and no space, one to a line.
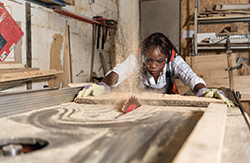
155,132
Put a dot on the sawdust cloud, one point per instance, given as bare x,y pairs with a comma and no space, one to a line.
127,40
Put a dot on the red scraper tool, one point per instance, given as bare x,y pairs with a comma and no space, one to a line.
130,104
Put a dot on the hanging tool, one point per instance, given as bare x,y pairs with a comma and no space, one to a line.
129,105
99,19
104,28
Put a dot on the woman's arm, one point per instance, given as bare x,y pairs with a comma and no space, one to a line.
199,86
185,73
121,71
111,79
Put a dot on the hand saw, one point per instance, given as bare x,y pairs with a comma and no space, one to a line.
129,105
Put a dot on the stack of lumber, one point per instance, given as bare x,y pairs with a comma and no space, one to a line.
221,10
212,68
13,74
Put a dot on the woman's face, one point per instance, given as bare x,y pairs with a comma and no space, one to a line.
155,62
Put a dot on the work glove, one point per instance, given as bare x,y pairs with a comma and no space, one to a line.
214,93
94,89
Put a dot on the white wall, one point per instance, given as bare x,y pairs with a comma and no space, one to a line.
46,24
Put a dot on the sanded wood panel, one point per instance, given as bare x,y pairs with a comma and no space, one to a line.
209,65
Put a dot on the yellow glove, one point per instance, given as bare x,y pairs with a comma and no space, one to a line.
214,93
94,89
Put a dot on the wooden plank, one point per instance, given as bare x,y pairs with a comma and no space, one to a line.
206,141
245,97
148,98
17,70
206,58
105,69
217,82
28,39
18,48
209,65
93,51
11,65
242,84
28,74
11,84
55,60
66,59
236,145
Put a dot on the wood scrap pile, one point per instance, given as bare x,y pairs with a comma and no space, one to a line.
226,10
13,74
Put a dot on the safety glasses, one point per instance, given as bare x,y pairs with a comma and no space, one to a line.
157,62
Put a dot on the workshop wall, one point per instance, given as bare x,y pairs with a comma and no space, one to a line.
48,27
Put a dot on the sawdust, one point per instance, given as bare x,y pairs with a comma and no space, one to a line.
127,40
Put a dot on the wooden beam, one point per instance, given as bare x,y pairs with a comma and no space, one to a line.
4,65
146,98
93,51
17,70
18,48
67,75
27,74
55,60
105,69
206,141
28,39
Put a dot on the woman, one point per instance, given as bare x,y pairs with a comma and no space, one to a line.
160,66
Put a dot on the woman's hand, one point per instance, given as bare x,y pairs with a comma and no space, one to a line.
94,89
214,93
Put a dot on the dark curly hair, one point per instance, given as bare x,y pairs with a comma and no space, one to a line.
159,41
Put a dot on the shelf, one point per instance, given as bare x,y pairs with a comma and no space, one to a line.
223,19
198,22
222,48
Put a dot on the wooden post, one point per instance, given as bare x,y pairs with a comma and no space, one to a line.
105,69
93,50
18,48
28,39
67,76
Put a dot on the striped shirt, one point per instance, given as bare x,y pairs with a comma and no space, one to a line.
178,68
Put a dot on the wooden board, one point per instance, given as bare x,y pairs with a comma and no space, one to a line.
205,142
27,74
242,84
104,66
55,60
209,65
147,98
6,65
67,75
17,70
18,48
